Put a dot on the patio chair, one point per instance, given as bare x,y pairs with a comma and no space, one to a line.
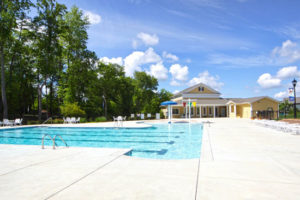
18,121
1,123
7,122
142,116
157,115
73,120
149,115
78,120
132,116
68,120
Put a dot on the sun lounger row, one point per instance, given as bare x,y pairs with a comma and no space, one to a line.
71,120
142,116
15,122
281,126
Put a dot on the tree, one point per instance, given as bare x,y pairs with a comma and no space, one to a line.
49,52
10,11
285,107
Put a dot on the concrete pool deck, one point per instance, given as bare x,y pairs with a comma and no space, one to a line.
239,160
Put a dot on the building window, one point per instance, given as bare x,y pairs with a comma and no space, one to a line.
198,111
204,111
192,111
209,111
201,89
175,111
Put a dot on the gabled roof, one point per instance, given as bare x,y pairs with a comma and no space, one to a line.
250,100
193,87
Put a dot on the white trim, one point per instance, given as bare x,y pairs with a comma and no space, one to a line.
193,95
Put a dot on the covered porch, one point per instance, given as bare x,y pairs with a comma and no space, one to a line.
191,108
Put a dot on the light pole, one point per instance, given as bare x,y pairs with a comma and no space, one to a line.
294,84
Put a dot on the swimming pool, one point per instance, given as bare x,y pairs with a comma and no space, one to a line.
162,141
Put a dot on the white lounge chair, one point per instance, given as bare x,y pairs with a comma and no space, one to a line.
157,115
7,122
78,120
18,121
132,116
73,120
149,115
142,116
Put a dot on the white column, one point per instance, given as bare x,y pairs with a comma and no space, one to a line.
189,108
186,110
199,111
235,109
214,111
169,113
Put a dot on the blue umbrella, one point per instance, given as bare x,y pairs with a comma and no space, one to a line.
169,104
166,103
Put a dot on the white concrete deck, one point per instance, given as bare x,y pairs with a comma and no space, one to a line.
239,160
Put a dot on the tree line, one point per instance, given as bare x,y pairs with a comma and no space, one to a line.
46,66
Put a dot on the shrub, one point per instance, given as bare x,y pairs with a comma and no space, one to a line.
32,122
71,109
100,119
57,121
83,120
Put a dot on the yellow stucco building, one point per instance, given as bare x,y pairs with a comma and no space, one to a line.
201,101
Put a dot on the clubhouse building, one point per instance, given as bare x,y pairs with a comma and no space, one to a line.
200,101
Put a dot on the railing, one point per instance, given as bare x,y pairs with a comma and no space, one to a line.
53,140
47,120
50,139
60,139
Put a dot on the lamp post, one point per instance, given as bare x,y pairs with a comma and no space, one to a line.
294,84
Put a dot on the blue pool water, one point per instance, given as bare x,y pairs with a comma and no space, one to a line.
162,141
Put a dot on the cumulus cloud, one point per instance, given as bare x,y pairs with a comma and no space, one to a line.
146,39
175,83
176,91
281,95
136,59
206,78
179,73
170,57
266,81
288,72
106,60
92,17
159,71
288,52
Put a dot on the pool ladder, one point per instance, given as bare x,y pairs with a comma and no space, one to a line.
53,140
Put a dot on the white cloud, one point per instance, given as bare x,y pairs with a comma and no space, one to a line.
175,83
92,17
159,71
206,78
281,95
107,60
179,73
146,39
266,81
288,72
136,59
176,91
289,52
170,57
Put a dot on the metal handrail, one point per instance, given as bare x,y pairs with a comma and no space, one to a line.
50,139
47,120
60,139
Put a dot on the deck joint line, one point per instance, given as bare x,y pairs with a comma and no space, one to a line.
83,177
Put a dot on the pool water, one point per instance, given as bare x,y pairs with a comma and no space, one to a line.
162,141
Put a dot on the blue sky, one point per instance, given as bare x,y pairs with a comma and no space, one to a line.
242,48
